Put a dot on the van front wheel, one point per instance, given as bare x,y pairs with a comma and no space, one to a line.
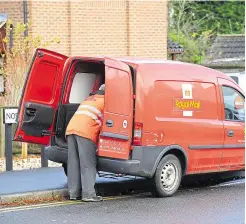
167,177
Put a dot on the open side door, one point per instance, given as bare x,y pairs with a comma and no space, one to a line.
40,97
116,134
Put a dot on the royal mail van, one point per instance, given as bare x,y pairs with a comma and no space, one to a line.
162,119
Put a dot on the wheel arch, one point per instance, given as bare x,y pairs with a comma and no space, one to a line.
176,150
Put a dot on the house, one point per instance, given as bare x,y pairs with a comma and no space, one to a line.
174,48
227,54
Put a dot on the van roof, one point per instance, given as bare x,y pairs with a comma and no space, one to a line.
198,71
138,60
151,61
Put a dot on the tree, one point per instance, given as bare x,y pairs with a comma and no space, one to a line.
16,61
225,17
184,30
194,24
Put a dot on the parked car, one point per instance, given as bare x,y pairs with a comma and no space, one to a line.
162,119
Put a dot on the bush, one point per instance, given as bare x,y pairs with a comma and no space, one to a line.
16,61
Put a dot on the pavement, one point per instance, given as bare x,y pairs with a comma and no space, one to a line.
220,204
50,183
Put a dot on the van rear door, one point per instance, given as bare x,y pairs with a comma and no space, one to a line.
116,134
40,97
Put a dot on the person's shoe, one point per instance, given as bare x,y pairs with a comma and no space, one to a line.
75,198
93,199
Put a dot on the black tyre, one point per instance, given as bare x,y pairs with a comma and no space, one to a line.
64,165
167,177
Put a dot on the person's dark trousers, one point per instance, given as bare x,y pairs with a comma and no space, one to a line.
81,167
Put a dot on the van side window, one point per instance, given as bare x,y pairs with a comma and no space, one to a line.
82,86
233,104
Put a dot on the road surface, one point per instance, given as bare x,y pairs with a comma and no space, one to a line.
220,204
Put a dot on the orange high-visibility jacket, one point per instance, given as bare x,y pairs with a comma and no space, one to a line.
87,120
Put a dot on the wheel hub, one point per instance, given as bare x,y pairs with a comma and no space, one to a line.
169,176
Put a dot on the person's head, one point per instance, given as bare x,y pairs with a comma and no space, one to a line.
102,87
100,91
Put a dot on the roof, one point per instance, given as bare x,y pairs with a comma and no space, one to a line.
173,47
227,49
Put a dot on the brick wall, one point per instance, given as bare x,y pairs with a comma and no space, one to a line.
14,9
99,27
96,27
50,19
119,27
103,27
148,28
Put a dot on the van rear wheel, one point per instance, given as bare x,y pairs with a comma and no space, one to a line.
167,177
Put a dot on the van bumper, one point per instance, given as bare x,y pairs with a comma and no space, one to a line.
135,166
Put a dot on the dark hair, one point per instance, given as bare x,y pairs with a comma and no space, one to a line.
98,92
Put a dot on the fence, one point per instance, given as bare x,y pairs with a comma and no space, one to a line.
8,123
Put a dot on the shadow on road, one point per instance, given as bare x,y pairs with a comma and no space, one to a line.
134,186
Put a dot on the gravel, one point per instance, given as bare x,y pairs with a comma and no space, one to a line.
32,162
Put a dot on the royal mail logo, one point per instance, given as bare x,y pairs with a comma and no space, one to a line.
186,104
187,93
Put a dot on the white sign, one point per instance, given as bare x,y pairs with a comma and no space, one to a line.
10,115
187,113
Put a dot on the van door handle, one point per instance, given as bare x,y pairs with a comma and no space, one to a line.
230,133
109,123
30,111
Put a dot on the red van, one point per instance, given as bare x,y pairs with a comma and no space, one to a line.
162,119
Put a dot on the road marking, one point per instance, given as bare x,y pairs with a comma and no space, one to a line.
57,204
46,205
63,203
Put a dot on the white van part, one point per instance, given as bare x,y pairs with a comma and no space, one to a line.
239,78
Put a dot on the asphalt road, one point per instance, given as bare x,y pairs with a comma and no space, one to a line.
221,204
